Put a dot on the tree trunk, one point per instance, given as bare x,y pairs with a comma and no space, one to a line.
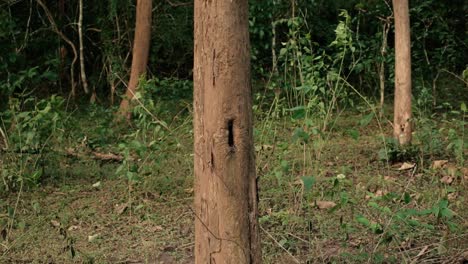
402,117
383,53
141,45
84,80
226,220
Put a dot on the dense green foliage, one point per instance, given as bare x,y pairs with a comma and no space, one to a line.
31,50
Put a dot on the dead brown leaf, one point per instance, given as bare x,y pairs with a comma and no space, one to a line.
55,223
438,164
92,238
120,208
452,196
447,179
407,166
325,204
452,170
73,228
155,228
389,178
465,173
379,193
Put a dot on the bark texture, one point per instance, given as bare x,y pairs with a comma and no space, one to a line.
402,113
226,220
141,46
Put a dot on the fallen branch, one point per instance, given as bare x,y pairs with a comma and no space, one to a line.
96,155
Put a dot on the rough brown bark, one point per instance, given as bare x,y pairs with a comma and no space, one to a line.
402,113
141,45
226,225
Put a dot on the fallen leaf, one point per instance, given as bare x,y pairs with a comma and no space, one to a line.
437,164
452,196
120,209
92,238
269,211
155,228
298,182
325,204
97,184
379,193
447,179
55,223
341,176
452,171
355,242
73,228
266,147
407,166
465,173
389,178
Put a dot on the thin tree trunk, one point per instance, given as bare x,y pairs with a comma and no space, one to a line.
141,45
402,117
383,53
226,213
84,81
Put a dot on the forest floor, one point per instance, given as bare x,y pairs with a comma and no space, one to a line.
326,198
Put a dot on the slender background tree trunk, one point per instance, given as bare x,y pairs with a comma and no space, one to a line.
141,45
84,80
402,113
226,226
383,53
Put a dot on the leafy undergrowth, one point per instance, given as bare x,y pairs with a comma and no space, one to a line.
107,197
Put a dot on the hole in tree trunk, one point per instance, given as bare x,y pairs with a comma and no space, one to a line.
212,161
230,127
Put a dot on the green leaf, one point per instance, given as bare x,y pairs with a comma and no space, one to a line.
283,51
299,112
407,198
376,228
463,107
299,133
383,155
443,203
413,222
353,133
445,212
426,212
366,119
452,226
308,182
362,220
